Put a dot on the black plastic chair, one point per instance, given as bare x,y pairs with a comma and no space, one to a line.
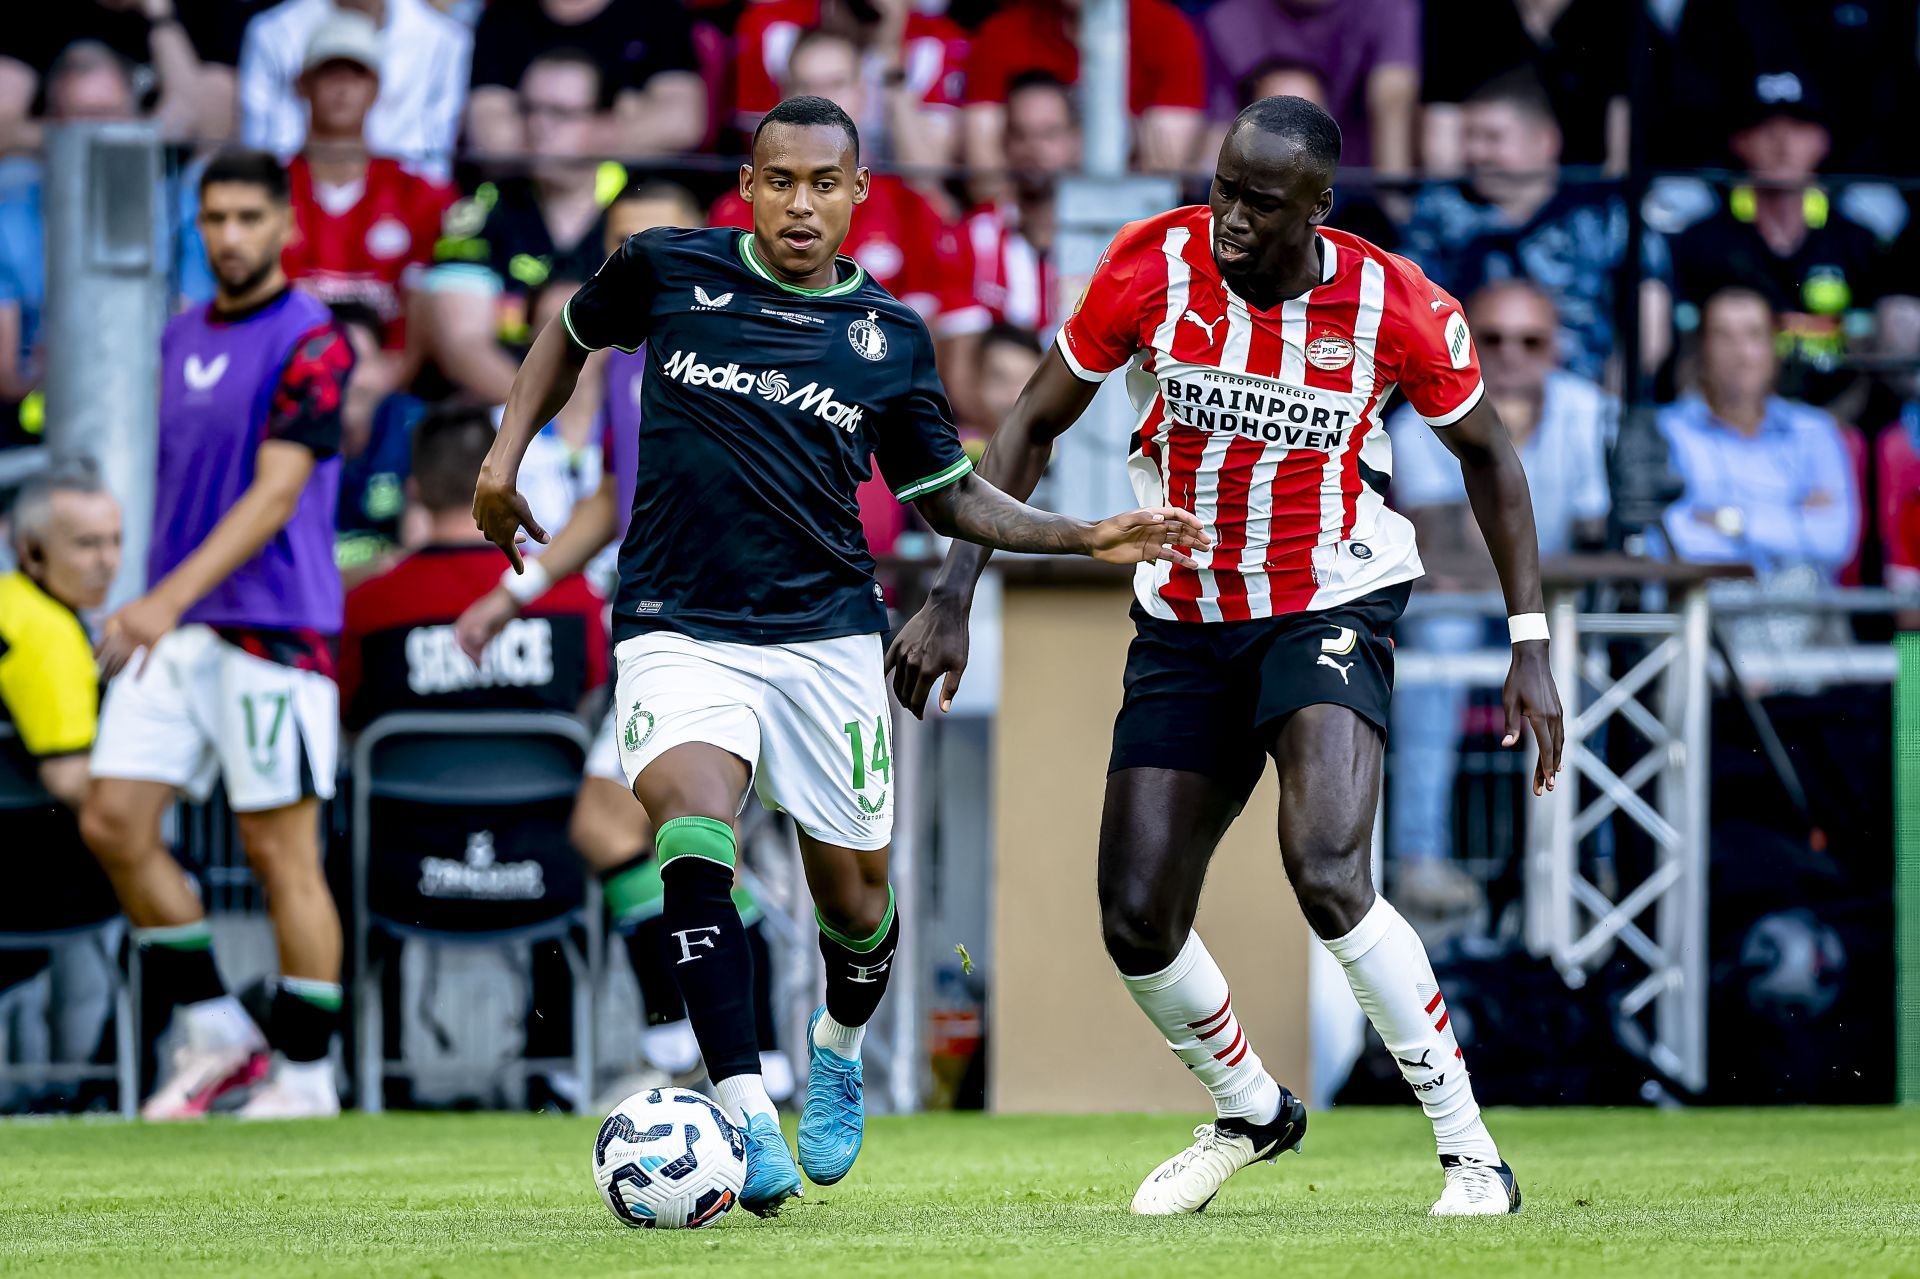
63,897
459,839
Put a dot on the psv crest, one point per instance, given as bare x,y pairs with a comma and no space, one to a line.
868,339
1329,351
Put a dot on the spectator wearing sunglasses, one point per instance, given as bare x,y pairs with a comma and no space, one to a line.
1562,425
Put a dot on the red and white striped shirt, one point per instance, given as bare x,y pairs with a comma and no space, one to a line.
1013,282
1267,424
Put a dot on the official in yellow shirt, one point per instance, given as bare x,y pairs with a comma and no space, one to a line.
66,537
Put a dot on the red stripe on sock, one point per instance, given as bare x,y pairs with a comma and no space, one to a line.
1442,1023
1241,1055
1209,1034
1218,1014
1434,1002
1239,1040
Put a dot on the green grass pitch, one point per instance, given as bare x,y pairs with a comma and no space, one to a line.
1635,1193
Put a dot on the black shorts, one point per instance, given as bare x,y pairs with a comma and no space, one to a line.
1203,697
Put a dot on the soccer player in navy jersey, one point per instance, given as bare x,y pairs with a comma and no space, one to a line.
224,669
747,622
1272,342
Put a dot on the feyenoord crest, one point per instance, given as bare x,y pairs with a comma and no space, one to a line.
1329,351
639,728
868,339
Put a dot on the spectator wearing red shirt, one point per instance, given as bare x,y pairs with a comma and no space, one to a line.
911,65
364,227
896,234
399,651
1166,80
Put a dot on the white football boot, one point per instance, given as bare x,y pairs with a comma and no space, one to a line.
220,1050
298,1090
1189,1181
1476,1188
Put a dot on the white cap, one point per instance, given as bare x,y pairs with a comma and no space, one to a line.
344,35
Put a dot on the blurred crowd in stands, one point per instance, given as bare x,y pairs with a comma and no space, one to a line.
1697,205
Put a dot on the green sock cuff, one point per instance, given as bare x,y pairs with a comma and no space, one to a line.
704,837
194,936
634,893
321,994
747,904
858,944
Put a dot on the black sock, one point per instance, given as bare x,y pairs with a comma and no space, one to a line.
305,1015
711,960
177,966
652,951
858,968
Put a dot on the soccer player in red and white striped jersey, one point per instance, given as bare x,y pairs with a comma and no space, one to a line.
1264,347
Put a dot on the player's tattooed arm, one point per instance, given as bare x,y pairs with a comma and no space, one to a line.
541,389
1497,491
972,509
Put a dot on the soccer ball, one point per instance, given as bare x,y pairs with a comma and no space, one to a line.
669,1159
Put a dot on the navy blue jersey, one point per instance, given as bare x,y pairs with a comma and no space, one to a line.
763,408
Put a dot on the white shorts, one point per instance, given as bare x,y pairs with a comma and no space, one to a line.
203,709
812,720
603,757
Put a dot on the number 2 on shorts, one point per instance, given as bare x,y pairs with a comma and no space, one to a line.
881,763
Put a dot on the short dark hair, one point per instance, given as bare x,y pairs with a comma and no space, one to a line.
1300,122
807,111
254,168
352,311
568,56
1045,82
449,446
1520,89
1000,332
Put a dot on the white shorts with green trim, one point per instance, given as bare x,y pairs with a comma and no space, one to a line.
202,708
811,720
603,756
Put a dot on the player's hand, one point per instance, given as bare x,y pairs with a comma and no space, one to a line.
1151,533
485,618
132,628
501,512
1530,696
933,643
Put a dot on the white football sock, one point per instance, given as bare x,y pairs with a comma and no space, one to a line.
218,1024
1188,1001
746,1096
841,1040
1391,978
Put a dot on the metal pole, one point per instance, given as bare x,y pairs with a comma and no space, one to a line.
106,304
1683,1012
1103,86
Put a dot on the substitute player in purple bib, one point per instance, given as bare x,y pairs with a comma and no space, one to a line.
747,622
223,670
1265,346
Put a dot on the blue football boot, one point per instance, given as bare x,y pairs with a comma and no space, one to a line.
771,1177
834,1119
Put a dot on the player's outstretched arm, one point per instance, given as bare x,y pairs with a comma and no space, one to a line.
975,510
1497,491
934,642
541,389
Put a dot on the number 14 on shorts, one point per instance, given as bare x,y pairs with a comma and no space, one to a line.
880,762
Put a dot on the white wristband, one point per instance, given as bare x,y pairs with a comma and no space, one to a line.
528,586
1527,626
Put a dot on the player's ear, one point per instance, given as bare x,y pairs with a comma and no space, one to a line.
1321,208
862,180
746,183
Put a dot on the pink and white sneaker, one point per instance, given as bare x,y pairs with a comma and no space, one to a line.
201,1076
298,1090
